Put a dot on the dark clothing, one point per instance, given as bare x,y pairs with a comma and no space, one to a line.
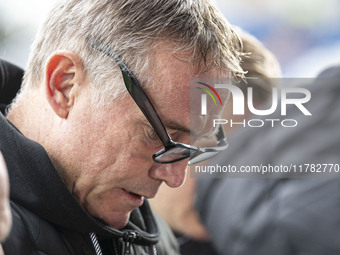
47,219
190,246
280,216
10,82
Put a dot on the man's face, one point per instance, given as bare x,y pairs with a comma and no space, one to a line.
111,153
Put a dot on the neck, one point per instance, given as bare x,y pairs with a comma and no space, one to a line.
35,119
25,115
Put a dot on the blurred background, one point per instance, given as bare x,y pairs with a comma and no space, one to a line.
303,34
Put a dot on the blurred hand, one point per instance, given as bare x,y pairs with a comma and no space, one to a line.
5,212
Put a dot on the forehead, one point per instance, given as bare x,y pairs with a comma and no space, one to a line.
169,83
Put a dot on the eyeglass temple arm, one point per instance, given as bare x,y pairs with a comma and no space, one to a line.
135,90
143,102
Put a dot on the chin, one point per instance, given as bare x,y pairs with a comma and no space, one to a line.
118,220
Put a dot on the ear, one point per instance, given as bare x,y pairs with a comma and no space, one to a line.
63,79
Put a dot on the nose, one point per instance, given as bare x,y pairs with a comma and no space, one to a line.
172,174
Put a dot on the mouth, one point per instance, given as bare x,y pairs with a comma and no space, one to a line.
134,198
135,194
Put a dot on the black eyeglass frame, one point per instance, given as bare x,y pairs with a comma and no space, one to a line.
143,102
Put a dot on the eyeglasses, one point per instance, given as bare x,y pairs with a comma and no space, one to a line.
172,151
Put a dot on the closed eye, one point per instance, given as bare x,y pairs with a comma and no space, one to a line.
152,136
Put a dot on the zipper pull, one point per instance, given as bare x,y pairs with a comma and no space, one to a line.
127,248
128,238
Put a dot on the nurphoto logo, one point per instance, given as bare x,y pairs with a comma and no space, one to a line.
279,98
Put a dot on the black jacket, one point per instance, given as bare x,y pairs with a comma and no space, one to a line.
48,220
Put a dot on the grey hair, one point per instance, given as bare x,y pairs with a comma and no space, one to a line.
132,28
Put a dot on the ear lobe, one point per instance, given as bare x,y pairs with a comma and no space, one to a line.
63,70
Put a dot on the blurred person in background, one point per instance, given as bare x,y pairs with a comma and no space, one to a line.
284,215
177,206
5,211
10,81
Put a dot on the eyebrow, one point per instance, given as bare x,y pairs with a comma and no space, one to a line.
177,126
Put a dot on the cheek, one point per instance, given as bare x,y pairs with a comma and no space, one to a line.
134,156
107,144
121,159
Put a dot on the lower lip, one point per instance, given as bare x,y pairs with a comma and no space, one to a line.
136,200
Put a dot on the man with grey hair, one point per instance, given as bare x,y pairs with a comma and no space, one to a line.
82,154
